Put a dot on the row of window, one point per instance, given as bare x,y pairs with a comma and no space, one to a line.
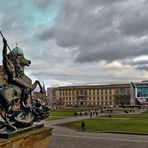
88,103
82,92
85,96
88,98
95,93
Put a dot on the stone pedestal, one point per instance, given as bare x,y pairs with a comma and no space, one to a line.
37,138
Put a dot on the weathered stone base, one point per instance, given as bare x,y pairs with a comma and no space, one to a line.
37,138
8,133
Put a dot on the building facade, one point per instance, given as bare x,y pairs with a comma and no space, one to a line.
139,93
42,96
2,76
38,95
92,95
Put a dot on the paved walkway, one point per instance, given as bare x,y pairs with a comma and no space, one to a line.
68,138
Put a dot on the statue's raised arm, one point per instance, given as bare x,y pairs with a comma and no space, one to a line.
8,66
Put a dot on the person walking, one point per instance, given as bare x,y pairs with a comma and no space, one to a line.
82,126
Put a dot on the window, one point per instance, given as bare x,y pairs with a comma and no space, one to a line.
142,92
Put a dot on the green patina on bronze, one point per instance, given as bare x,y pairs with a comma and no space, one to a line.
17,51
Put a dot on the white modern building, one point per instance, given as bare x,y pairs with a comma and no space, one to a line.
139,93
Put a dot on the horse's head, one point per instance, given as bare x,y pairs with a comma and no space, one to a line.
23,61
19,57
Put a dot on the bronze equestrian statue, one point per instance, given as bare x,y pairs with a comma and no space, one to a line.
17,90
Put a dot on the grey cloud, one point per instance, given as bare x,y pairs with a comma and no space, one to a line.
111,1
83,77
86,31
79,25
113,51
99,31
135,63
135,23
42,4
8,23
142,67
139,65
45,35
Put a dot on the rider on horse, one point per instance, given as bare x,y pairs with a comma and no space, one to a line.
13,64
14,96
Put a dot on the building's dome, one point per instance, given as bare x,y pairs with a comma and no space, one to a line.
17,51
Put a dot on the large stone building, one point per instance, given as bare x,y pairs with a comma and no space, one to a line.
39,95
2,76
92,95
50,97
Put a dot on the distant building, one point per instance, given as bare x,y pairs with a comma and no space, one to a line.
50,96
90,95
42,96
139,93
2,76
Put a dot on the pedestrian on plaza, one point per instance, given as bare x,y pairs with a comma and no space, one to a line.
75,114
82,126
93,113
90,114
109,115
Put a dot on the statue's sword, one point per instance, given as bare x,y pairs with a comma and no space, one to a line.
4,38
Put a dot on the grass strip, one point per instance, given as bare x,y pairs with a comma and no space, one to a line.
140,116
67,112
110,125
54,118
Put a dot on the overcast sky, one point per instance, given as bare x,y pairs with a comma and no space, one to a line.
73,42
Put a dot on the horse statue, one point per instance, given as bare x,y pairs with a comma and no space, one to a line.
17,108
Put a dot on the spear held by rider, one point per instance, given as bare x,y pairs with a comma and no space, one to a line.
5,39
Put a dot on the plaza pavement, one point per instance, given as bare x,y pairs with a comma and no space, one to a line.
63,137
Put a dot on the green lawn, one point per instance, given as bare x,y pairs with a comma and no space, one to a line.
144,116
110,125
118,109
54,118
67,112
146,112
123,109
61,113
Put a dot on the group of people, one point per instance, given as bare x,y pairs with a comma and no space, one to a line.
86,113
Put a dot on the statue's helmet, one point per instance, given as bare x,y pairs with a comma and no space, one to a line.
17,51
